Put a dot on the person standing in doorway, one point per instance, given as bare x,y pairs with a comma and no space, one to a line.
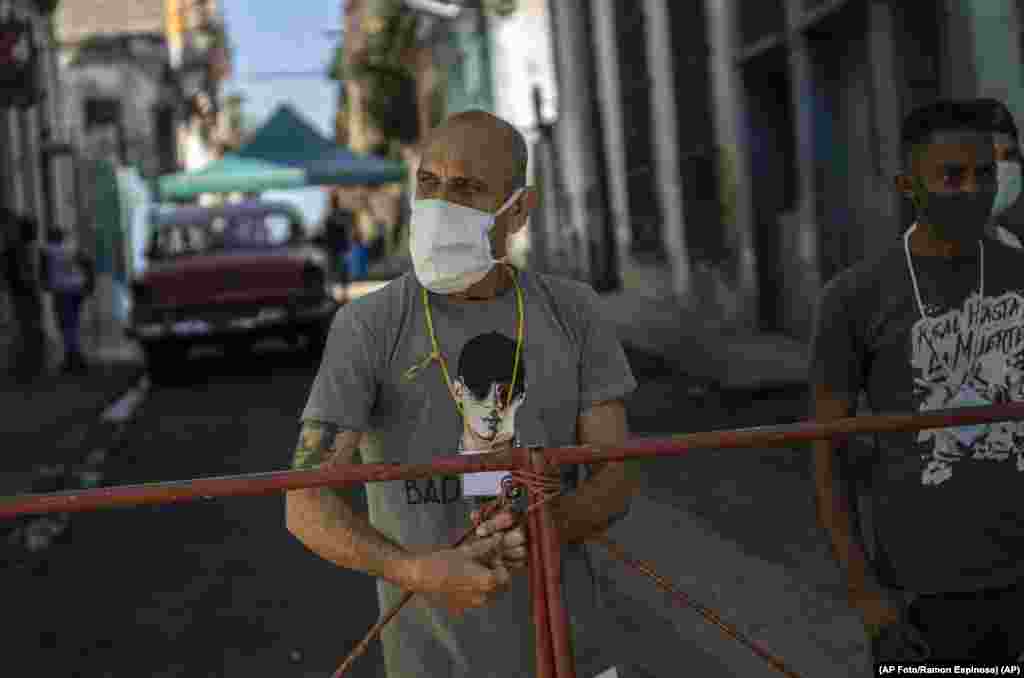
69,276
358,257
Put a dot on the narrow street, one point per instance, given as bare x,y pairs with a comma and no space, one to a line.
219,588
216,588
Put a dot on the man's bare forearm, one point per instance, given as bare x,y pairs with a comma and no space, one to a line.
606,494
835,516
592,507
323,518
833,508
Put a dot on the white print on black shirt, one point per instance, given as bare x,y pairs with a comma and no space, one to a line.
983,346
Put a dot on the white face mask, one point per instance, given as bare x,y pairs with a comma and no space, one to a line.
450,244
1009,186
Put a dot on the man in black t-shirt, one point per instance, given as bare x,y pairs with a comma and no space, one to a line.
935,322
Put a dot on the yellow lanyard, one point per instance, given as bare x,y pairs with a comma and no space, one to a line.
436,354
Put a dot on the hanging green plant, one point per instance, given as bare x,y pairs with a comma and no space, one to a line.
336,68
392,37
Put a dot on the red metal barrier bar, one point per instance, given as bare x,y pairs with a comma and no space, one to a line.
551,555
538,593
341,476
789,434
254,484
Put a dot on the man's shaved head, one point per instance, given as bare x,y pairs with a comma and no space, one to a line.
479,132
477,160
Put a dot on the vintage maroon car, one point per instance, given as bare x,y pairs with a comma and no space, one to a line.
229,276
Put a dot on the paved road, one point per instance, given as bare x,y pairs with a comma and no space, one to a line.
216,588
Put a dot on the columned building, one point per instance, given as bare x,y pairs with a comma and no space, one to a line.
750,147
824,86
33,152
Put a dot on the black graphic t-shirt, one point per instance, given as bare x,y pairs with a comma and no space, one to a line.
946,503
570,358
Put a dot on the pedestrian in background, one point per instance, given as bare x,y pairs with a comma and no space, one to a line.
1007,224
376,247
338,228
21,275
404,213
358,257
921,327
69,275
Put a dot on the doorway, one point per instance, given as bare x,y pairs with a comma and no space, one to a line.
848,175
771,144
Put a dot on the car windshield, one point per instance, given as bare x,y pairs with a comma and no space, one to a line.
225,234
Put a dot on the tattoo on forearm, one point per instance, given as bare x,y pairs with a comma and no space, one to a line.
318,445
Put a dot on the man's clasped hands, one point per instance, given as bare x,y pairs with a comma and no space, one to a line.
474,574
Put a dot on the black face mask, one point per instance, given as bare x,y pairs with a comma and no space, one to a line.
956,217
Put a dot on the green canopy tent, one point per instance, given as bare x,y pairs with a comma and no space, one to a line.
232,174
289,140
342,167
285,153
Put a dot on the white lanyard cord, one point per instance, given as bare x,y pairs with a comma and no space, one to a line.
920,303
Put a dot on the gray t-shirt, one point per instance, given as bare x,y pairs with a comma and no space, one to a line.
946,504
571,358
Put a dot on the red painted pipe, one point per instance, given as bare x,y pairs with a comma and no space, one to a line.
342,476
788,434
254,484
551,553
545,667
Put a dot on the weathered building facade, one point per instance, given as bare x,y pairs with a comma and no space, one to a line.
750,154
815,168
33,153
721,156
142,81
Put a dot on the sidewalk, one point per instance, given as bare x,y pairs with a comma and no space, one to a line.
797,614
736,531
55,420
730,361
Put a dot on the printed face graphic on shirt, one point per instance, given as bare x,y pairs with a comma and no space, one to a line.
967,357
483,386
